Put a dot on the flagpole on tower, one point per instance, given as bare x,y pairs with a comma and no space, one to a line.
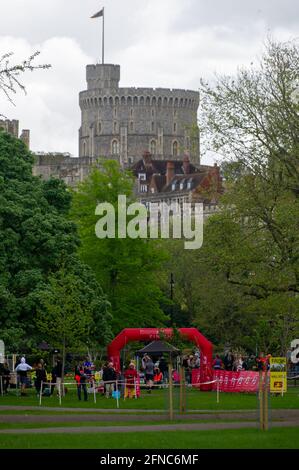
98,15
103,36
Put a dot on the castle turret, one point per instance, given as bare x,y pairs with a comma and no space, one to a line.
123,123
102,76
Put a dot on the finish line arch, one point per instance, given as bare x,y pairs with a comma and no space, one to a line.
151,334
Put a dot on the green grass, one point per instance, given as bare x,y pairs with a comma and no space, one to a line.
158,400
277,438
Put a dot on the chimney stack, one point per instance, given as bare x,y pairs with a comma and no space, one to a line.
186,165
170,173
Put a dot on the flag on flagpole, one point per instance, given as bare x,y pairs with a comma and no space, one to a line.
97,15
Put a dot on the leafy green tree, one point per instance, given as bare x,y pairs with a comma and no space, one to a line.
36,239
241,288
126,268
254,120
80,316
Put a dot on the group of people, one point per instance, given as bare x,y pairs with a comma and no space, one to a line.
190,362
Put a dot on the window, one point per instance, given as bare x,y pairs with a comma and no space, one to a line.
153,147
153,126
115,127
175,149
84,149
143,188
153,113
131,126
174,127
131,112
142,176
115,150
99,127
181,185
115,112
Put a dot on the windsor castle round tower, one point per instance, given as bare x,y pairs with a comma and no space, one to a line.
123,123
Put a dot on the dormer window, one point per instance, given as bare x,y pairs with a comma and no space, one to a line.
173,185
189,183
142,176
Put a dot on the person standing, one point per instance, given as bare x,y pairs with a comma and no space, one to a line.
163,366
130,381
57,372
22,370
217,363
149,372
5,374
41,377
81,378
109,378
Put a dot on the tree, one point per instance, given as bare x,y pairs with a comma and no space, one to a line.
254,120
36,240
10,73
125,268
73,321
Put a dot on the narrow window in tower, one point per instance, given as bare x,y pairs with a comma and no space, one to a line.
115,149
175,113
175,149
153,127
131,112
84,149
153,113
115,112
115,127
131,126
174,127
99,127
153,147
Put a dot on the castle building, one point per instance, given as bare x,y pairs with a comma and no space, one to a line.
179,181
123,123
12,127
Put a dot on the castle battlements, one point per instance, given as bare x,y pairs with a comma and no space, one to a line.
124,122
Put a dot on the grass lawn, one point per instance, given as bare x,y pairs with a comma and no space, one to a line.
159,400
276,438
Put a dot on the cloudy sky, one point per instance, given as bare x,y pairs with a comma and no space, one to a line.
158,43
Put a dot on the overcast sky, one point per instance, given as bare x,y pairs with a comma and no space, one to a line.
158,43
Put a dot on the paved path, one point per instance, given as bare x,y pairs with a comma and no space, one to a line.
143,428
280,415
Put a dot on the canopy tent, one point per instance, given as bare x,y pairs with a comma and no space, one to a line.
158,346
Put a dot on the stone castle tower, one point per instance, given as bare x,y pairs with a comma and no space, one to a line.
123,123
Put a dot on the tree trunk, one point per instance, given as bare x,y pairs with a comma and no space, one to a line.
63,366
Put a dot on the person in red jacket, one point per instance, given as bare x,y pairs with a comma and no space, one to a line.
130,381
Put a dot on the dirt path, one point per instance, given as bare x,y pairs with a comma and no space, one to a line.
279,415
150,428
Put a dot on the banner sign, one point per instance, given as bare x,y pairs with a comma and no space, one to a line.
278,374
243,381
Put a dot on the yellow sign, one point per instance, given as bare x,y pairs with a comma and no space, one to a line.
278,375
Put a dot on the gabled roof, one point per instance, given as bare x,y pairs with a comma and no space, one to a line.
160,166
158,347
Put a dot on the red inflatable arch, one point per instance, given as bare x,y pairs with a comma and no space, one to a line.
150,334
